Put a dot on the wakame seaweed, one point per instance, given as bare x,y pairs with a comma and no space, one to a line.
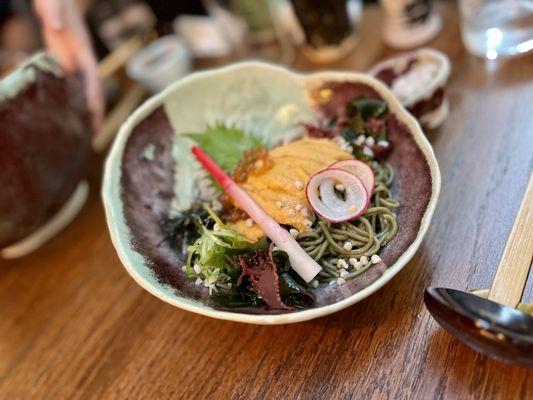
367,118
367,108
182,229
292,289
294,294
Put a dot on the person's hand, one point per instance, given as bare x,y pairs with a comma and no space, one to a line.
66,36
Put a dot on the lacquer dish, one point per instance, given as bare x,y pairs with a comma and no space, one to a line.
256,194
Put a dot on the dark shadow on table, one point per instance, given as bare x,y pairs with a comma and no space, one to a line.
433,134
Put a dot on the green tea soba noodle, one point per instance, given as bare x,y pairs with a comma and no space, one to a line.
326,241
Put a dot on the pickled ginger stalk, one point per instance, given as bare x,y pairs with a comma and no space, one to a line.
300,261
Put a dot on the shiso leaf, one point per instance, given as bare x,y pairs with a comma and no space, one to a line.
225,145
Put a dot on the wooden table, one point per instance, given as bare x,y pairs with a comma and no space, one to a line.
75,325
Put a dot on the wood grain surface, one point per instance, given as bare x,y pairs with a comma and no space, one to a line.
511,275
74,325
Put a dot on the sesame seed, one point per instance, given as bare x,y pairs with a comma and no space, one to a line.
343,144
383,143
292,213
364,260
249,223
367,151
348,246
184,268
198,281
298,207
375,259
370,141
279,204
340,187
298,185
341,281
314,283
197,268
360,140
356,264
342,264
294,232
216,227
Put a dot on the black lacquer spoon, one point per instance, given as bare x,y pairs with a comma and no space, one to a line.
493,326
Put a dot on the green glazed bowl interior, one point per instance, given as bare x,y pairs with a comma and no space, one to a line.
150,162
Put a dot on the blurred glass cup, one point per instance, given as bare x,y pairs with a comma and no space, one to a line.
497,28
161,63
329,26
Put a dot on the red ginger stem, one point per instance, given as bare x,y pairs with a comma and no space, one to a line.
301,262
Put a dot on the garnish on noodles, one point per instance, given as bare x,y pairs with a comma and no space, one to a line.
287,219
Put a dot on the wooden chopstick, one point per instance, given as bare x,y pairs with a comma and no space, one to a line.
511,276
110,65
119,57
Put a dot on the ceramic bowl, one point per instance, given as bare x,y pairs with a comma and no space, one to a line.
139,181
44,154
423,93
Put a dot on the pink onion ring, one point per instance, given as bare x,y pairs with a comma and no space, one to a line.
325,201
359,169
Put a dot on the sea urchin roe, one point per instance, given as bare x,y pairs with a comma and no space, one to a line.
284,183
254,162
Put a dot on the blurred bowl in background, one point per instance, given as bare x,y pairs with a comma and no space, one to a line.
205,37
44,153
418,79
160,63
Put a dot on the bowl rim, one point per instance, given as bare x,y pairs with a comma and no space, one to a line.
119,231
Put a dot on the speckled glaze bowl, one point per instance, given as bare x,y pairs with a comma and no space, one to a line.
140,181
44,154
427,102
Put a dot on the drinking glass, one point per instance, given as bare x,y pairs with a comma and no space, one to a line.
497,28
329,27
